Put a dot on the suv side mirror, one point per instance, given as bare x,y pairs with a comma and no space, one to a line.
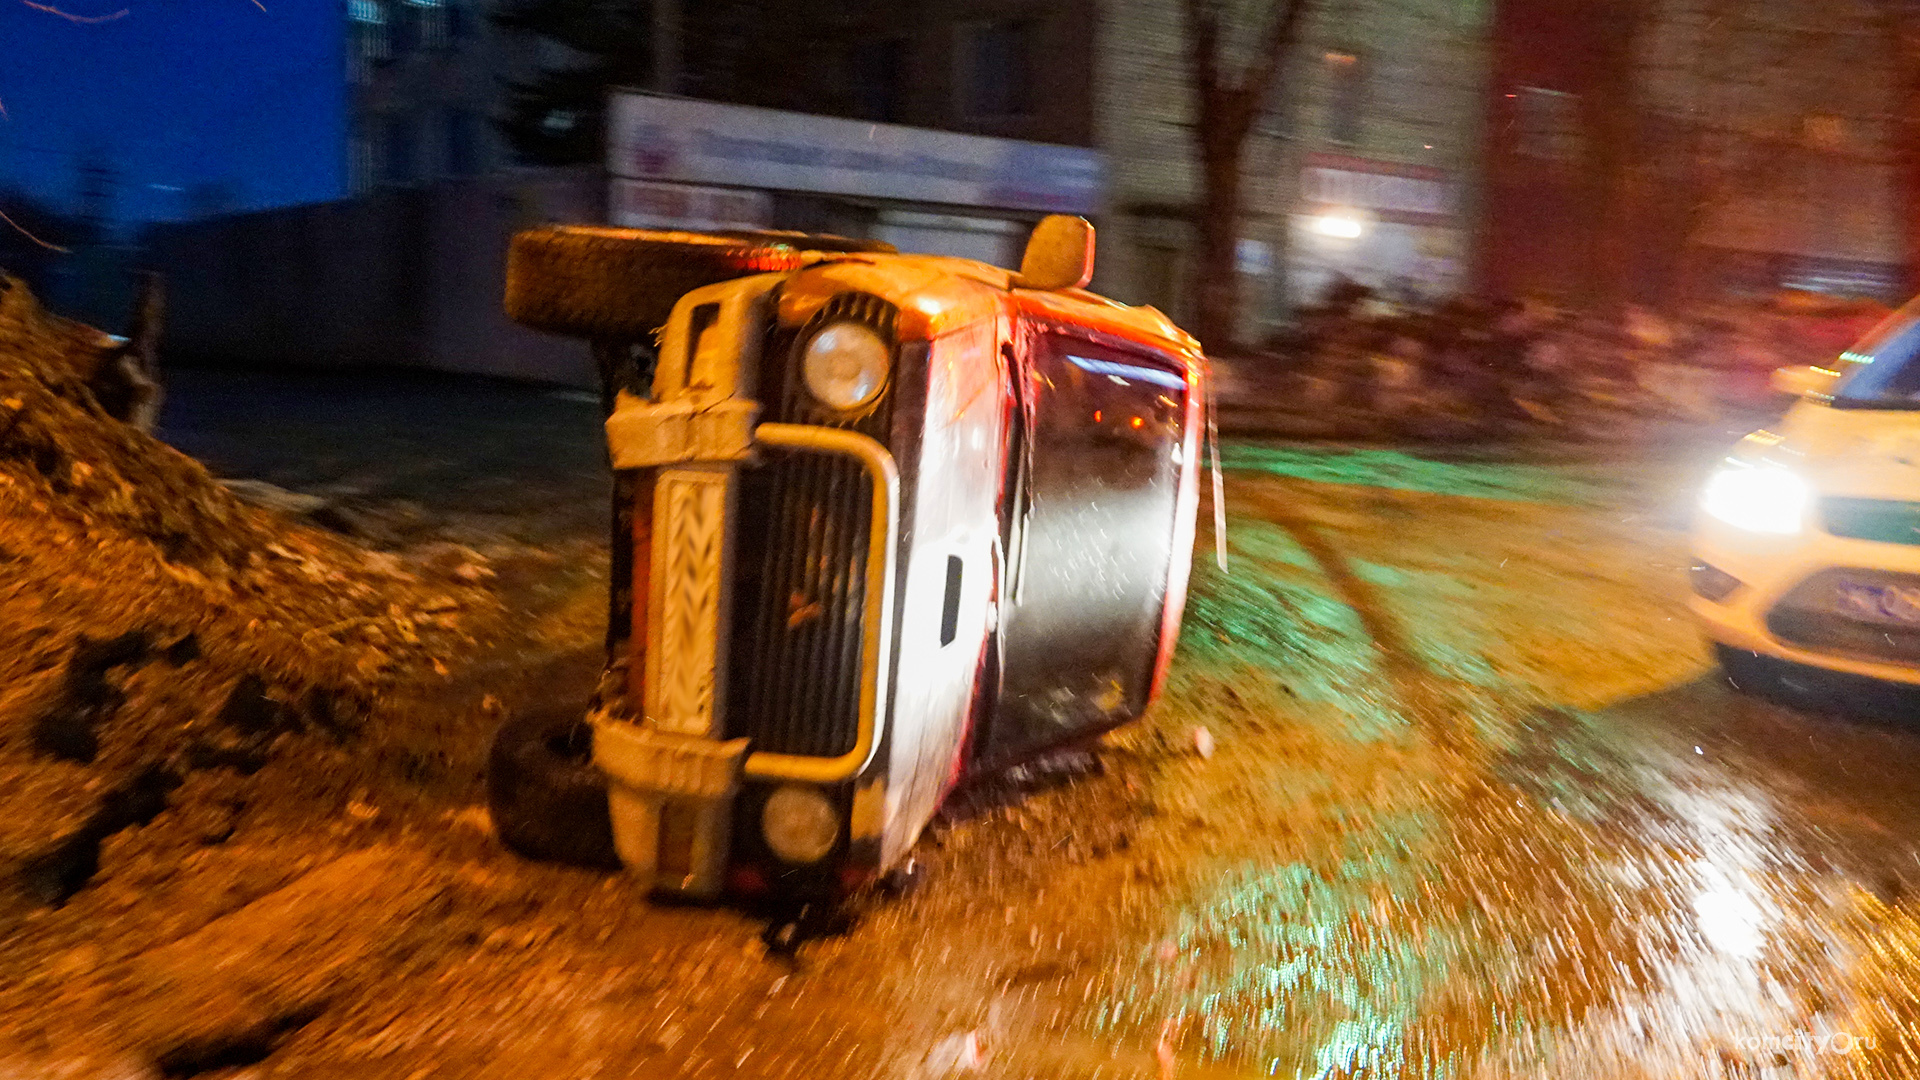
1059,254
1803,379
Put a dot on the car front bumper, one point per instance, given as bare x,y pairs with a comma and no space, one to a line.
1769,569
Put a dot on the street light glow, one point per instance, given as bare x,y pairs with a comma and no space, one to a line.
1339,226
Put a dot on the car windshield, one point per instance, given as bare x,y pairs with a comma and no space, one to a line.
1882,372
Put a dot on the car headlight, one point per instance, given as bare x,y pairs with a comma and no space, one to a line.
1764,498
845,365
799,824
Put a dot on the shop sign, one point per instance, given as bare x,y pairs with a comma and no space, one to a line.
1386,190
645,204
656,138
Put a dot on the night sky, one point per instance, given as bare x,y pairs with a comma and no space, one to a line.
172,94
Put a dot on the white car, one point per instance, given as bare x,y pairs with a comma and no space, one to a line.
1807,543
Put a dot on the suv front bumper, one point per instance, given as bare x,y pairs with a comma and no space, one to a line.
672,777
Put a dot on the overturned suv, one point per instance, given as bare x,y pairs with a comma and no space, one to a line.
882,522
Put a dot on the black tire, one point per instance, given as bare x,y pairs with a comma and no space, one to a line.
608,284
1748,672
1817,690
548,801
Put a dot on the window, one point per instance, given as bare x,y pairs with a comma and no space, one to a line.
404,30
421,24
1548,124
1346,75
877,74
463,142
995,72
370,44
360,174
1088,568
430,23
1824,131
396,153
1882,372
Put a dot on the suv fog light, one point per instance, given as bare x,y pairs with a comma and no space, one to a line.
845,365
800,825
1712,582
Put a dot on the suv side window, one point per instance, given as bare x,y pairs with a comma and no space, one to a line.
1093,538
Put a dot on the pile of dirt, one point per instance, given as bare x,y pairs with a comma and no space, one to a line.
154,628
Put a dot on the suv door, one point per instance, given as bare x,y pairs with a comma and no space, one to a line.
1091,532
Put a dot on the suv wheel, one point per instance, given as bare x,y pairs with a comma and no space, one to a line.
547,800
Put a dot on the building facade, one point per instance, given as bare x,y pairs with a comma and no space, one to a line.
945,126
1365,164
423,83
1015,76
1009,69
1671,151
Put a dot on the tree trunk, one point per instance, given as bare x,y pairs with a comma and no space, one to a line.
1224,111
1217,310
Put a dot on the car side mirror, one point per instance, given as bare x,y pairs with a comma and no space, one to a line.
1803,379
1059,254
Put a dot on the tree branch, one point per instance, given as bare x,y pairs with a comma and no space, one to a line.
70,17
17,227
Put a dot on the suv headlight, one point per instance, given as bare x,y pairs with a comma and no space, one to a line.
799,824
845,365
1762,498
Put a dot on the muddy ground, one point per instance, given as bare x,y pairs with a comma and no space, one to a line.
1474,806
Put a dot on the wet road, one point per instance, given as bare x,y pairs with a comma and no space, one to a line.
1476,807
1479,809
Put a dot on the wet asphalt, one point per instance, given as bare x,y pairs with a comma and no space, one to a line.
1443,785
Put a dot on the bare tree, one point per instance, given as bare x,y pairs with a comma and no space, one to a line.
1226,104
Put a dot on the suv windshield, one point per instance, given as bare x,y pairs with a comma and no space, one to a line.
1882,371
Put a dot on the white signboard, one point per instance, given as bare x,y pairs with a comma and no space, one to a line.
1412,192
701,142
645,204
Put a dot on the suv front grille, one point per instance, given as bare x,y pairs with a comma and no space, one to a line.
801,539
